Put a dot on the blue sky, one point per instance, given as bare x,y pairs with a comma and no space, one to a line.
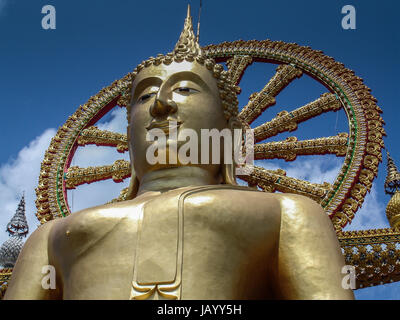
46,74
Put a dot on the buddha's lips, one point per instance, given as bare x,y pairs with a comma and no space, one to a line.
165,126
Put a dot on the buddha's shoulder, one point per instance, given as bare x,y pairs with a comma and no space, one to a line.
235,199
243,194
235,194
253,200
97,217
303,213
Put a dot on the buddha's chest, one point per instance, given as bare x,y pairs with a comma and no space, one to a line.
190,245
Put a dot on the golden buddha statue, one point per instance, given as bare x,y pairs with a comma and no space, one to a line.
187,231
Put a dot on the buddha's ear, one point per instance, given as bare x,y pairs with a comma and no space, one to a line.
235,123
228,174
133,187
228,170
134,183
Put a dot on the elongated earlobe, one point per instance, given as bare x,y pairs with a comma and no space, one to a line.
228,170
133,187
228,174
134,183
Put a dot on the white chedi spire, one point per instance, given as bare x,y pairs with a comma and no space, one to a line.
17,228
10,250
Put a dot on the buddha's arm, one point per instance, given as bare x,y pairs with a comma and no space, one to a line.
310,259
27,276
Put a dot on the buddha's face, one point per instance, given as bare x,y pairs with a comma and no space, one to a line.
185,93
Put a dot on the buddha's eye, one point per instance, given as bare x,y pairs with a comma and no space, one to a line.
146,96
185,90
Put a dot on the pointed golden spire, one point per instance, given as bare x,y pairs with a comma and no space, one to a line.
187,42
392,187
392,182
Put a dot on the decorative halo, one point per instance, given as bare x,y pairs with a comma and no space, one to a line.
360,147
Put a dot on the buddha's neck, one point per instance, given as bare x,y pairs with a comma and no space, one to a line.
173,178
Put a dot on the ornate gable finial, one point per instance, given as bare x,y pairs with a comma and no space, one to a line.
392,182
187,42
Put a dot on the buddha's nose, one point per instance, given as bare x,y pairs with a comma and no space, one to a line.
162,106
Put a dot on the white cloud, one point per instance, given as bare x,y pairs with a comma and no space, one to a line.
118,122
22,174
313,169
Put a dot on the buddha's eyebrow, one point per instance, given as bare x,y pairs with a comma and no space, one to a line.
187,75
145,83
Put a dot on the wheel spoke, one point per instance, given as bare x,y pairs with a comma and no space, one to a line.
288,121
76,176
93,135
291,147
122,196
237,65
276,180
260,101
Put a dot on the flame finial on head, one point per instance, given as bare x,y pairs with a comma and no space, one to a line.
187,42
188,49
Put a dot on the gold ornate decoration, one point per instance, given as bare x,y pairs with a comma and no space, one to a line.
259,101
76,176
187,43
393,210
94,135
290,148
5,276
374,253
288,121
276,180
237,65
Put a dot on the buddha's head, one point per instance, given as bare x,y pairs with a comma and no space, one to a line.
182,87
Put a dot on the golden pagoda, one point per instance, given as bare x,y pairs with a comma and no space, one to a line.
392,186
